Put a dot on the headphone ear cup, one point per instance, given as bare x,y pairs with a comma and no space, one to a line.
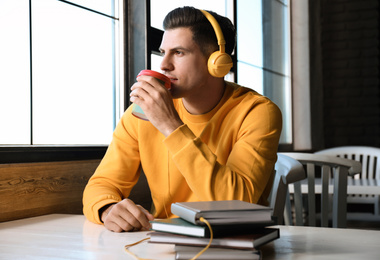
219,64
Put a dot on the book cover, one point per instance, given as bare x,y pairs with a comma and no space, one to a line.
183,227
188,252
222,212
245,241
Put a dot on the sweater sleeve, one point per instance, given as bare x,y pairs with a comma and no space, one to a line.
115,176
248,171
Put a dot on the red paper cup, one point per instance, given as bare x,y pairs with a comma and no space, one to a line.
136,110
161,77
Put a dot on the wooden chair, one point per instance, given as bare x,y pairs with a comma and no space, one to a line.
364,187
333,180
288,170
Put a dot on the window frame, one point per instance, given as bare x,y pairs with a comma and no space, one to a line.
139,40
48,153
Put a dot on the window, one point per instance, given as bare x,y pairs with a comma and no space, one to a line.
14,72
262,51
263,48
60,64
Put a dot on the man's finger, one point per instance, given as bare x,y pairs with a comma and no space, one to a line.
139,214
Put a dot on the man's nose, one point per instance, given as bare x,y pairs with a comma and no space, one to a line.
166,63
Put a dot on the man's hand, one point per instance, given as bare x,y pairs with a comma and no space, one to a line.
126,216
157,104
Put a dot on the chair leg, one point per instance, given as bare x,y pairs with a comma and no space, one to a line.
278,211
288,219
311,195
377,205
326,173
340,194
298,205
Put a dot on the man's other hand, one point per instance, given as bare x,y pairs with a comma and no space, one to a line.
126,216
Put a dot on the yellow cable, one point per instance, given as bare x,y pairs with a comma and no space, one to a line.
142,240
195,257
133,244
209,242
136,243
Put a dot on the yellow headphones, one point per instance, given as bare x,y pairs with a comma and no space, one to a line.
219,63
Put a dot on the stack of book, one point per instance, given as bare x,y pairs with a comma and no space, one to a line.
239,228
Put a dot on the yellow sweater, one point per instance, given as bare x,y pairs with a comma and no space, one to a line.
228,153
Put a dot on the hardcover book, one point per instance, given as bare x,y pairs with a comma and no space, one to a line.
183,227
222,212
188,252
245,242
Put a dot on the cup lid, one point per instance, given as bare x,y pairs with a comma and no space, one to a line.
157,75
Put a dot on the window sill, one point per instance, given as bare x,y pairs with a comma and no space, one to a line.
34,153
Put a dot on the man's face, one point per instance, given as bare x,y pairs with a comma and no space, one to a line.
184,63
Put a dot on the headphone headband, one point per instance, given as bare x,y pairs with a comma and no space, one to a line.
217,29
219,62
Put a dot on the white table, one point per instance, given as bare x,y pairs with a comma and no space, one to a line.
73,237
323,243
62,236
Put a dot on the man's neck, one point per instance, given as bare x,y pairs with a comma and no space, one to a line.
198,105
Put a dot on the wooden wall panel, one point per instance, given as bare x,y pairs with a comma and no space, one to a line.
33,189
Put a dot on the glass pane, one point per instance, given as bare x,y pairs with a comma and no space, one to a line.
277,62
14,72
73,75
277,88
263,54
156,62
250,77
103,6
159,9
250,32
276,37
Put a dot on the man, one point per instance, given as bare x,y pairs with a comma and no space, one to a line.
206,139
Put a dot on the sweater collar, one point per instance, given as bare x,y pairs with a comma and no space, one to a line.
207,116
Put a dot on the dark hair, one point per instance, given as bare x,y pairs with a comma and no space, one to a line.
203,32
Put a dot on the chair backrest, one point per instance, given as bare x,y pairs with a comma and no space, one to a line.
341,168
368,156
288,170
